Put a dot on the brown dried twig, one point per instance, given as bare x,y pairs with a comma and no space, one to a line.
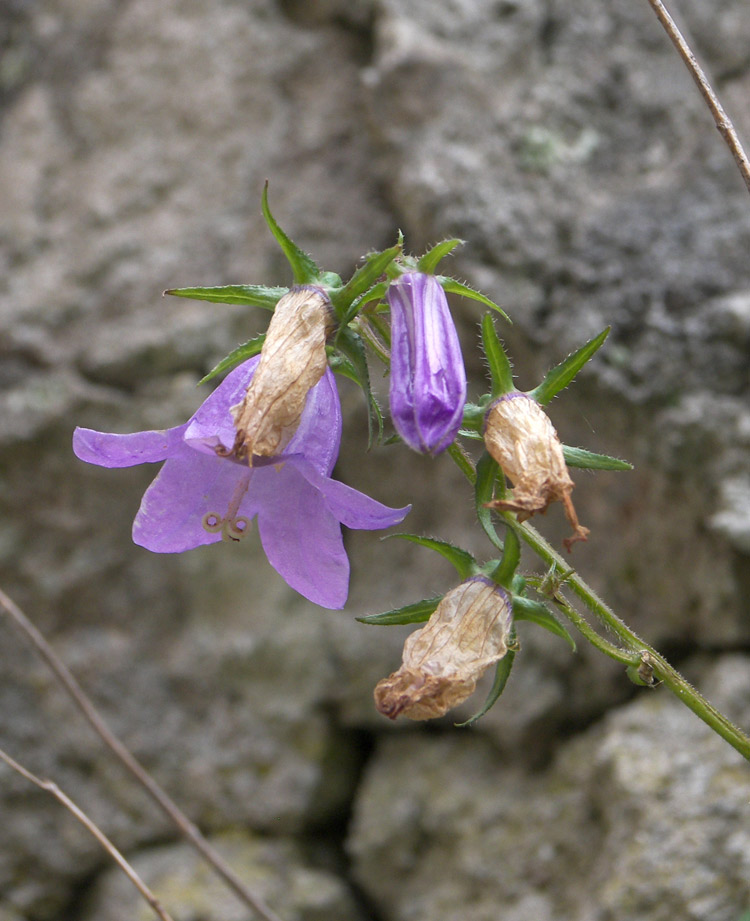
188,830
49,787
722,120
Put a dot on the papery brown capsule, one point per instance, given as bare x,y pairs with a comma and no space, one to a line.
292,362
519,435
442,662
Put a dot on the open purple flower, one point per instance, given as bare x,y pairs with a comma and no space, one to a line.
203,493
428,380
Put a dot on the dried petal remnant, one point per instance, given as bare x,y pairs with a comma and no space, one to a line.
443,661
521,438
292,362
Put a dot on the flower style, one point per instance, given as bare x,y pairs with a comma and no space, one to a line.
442,662
428,380
521,438
204,492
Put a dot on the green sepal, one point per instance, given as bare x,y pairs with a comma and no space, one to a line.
416,613
540,614
376,293
464,562
502,673
505,570
587,460
561,375
304,269
458,287
429,262
484,490
249,295
345,301
501,370
241,353
351,346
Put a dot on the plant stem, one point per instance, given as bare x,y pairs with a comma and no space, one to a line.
49,787
188,830
722,120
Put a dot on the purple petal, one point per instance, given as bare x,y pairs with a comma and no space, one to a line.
349,506
110,450
189,486
212,425
302,539
428,380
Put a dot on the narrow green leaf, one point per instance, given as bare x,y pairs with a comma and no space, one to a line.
240,354
305,271
561,375
501,370
458,287
538,613
484,488
376,293
429,262
464,562
345,301
506,568
250,295
351,345
578,457
502,673
416,613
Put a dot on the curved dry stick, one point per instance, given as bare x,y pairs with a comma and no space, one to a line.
49,787
188,830
722,120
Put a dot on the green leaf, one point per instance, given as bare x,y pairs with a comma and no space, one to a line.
240,354
538,613
501,370
376,293
351,345
250,295
484,489
502,673
458,287
305,271
561,375
506,568
578,457
416,613
464,562
428,263
345,301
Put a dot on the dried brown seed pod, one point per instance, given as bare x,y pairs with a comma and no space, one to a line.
442,662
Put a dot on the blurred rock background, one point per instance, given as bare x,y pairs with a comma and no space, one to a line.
567,145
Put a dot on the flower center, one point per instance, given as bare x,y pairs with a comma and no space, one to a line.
231,526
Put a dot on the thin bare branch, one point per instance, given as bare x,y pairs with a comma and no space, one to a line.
49,787
722,120
188,830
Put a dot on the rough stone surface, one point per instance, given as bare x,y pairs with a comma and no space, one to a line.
570,149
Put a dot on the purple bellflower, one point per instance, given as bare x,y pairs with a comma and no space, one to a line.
203,493
428,380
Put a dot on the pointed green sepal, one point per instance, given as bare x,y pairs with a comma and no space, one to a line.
501,370
540,614
464,562
249,295
416,613
484,491
305,271
352,348
587,460
502,673
560,376
241,353
504,572
429,262
346,302
458,287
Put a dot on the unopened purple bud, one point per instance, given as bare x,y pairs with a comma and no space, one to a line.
428,380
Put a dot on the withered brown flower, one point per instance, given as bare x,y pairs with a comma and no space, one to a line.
521,438
442,662
292,362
